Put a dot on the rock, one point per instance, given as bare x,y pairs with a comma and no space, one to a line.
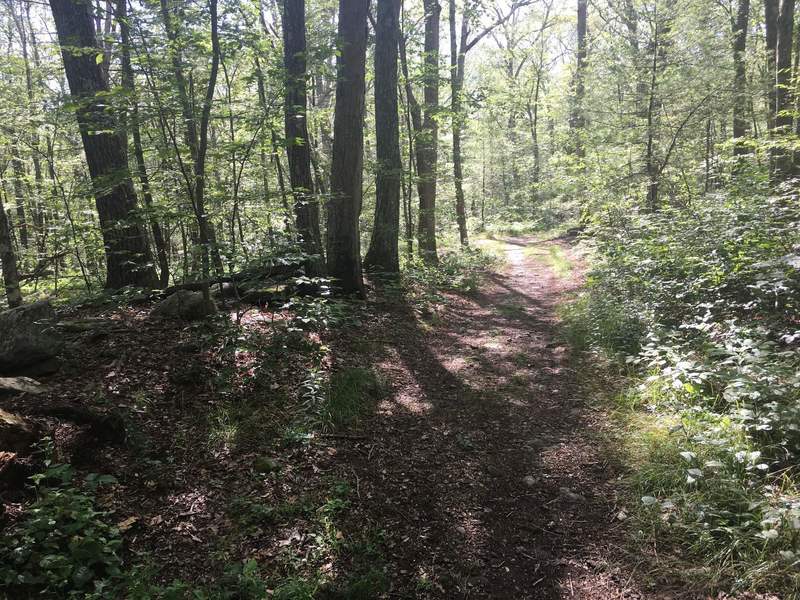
266,295
186,305
22,384
28,338
264,464
529,481
16,434
569,495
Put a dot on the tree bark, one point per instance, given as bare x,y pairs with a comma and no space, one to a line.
578,120
771,10
8,259
428,140
344,207
128,260
740,118
19,193
783,101
129,83
458,50
306,207
383,253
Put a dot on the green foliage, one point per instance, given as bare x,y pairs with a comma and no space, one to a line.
703,303
456,271
341,400
240,581
352,391
63,547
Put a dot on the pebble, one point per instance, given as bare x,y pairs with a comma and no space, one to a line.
568,494
529,481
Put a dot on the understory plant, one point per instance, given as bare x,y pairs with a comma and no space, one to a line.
64,547
702,303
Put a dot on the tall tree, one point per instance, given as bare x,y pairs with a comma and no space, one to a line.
344,207
458,54
306,207
740,121
383,253
783,96
428,140
771,11
578,120
128,259
460,44
132,124
8,258
196,135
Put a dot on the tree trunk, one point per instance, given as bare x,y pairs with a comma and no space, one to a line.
458,49
128,260
413,118
783,100
8,259
19,194
740,120
306,207
771,42
197,138
383,253
578,121
428,141
344,245
650,163
129,83
533,122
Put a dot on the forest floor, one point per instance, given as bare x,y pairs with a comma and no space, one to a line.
480,468
486,465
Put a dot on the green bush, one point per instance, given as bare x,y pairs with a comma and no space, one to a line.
63,547
703,302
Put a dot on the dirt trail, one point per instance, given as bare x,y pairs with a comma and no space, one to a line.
480,468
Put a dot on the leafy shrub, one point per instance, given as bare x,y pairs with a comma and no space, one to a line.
702,302
458,271
63,548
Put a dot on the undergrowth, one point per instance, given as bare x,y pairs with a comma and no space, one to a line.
699,307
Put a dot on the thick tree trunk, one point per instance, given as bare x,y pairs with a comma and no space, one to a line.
306,207
8,259
383,253
344,245
128,260
458,49
129,83
428,140
783,99
740,118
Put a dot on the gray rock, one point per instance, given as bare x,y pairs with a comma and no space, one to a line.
16,434
185,305
28,338
569,495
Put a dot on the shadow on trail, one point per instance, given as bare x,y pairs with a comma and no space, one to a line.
480,468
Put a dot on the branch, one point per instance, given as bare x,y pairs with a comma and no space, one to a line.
500,21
